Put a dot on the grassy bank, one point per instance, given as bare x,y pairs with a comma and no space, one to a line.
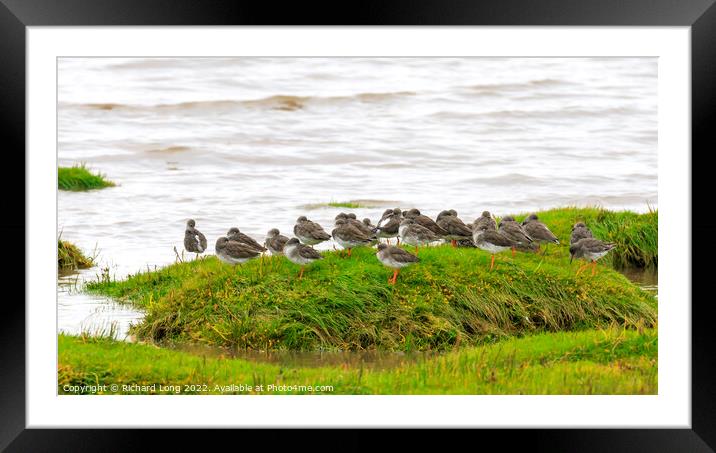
590,362
70,257
79,178
636,235
450,298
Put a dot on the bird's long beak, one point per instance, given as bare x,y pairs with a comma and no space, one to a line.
570,258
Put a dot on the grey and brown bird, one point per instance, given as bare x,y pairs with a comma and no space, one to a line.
300,254
514,231
349,236
424,221
351,219
579,231
493,241
389,229
395,258
275,241
373,231
233,252
591,250
309,232
485,220
194,240
237,236
386,214
455,228
538,231
412,233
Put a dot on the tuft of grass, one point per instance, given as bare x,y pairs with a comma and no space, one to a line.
70,257
352,204
636,235
345,204
79,178
610,361
449,298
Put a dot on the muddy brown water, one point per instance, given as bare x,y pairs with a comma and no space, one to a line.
300,359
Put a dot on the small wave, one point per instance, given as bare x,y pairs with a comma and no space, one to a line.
275,102
496,88
570,112
509,178
169,150
103,106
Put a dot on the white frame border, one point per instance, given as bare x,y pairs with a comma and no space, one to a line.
671,408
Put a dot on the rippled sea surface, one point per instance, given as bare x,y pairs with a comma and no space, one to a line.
257,142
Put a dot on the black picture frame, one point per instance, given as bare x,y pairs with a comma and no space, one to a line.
700,15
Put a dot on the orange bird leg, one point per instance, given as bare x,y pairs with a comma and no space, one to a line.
513,252
416,250
581,268
395,276
492,262
300,276
398,240
349,252
387,240
453,242
594,267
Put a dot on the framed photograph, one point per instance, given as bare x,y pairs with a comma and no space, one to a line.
391,225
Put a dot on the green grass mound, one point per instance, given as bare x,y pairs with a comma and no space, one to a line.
636,235
70,257
352,204
78,178
611,361
344,204
450,298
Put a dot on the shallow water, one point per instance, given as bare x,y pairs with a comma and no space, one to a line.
82,313
256,142
301,359
647,279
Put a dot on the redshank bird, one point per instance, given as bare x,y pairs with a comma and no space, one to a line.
389,229
514,231
386,214
591,250
348,236
194,240
424,221
492,241
579,231
395,258
233,252
456,228
538,231
373,231
300,254
487,220
237,236
412,233
275,241
351,219
308,232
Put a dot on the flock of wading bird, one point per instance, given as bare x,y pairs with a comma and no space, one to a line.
412,227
